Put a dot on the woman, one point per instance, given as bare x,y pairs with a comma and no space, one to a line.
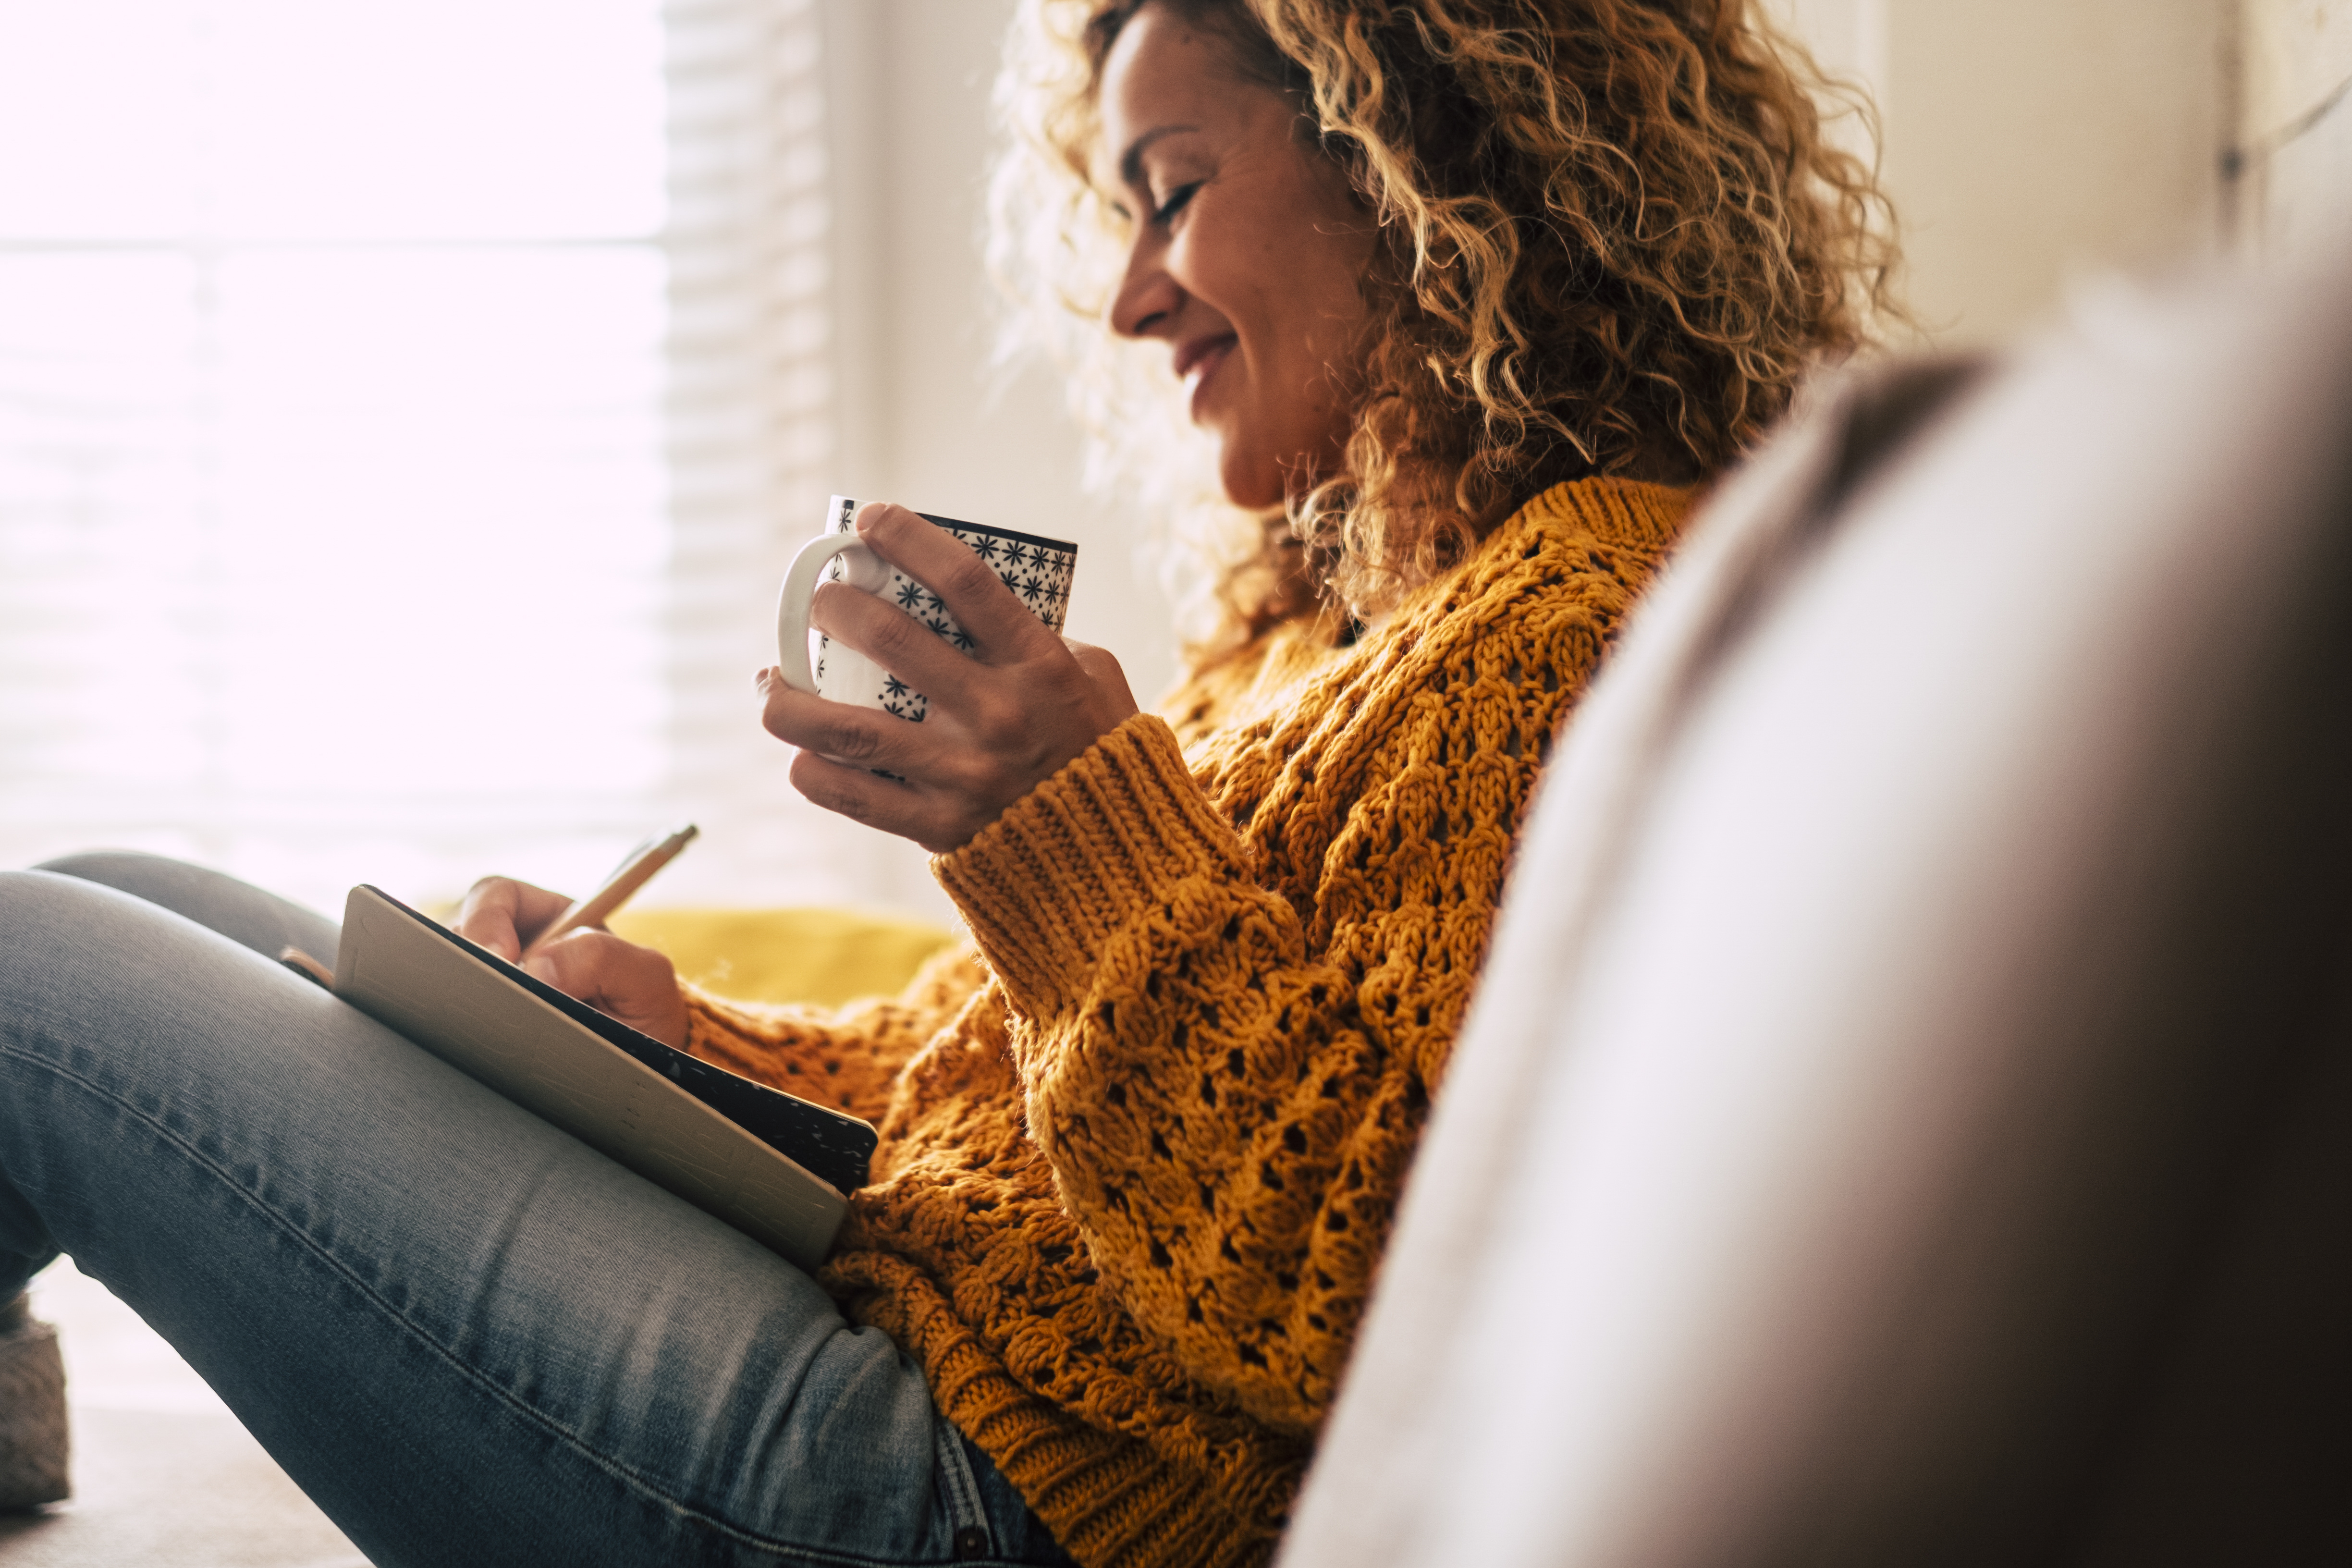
1467,299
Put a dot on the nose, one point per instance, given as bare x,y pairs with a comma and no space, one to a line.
1148,298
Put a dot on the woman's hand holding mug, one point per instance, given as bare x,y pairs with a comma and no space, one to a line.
998,717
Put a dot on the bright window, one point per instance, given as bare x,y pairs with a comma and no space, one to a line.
402,412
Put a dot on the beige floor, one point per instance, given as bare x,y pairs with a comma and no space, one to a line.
163,1476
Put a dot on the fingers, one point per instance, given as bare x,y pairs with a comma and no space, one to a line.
890,636
934,773
864,736
957,771
995,615
937,819
983,693
633,984
502,914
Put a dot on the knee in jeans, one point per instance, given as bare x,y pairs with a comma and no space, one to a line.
42,893
130,871
42,902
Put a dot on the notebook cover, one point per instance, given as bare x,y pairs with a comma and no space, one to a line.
772,1165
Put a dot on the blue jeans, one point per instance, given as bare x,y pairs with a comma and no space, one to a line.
469,1337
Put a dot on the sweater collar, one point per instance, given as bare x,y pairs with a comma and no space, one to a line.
1632,513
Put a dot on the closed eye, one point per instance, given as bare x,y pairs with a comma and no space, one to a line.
1176,202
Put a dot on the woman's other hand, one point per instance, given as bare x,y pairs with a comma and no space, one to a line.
502,914
633,984
1003,719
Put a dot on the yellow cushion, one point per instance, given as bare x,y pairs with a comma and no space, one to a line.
822,956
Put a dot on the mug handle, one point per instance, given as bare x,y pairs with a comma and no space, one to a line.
800,587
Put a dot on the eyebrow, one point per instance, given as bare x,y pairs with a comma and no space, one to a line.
1131,162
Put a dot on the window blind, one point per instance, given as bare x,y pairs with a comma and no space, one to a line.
405,413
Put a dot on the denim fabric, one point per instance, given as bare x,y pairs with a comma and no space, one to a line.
469,1337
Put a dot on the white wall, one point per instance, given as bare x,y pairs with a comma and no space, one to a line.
2029,142
2295,126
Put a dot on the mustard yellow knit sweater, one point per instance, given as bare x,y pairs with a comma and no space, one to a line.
1140,1149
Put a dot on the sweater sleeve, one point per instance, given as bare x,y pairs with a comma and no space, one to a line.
1227,1102
847,1057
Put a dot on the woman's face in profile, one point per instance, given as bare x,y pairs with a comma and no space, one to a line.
1245,255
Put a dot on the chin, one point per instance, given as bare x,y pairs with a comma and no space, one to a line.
1250,480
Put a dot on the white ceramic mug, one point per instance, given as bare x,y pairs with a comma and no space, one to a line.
1039,571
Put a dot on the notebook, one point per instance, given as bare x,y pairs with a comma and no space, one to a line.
774,1166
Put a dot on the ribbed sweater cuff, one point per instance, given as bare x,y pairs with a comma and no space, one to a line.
1074,860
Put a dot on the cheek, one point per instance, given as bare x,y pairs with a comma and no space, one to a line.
1284,273
1340,261
1287,406
1316,309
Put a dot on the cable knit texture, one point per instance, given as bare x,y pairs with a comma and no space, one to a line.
1140,1149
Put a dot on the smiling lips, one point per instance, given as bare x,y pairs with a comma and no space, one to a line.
1198,359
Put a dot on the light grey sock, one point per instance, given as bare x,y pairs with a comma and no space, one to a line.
33,1448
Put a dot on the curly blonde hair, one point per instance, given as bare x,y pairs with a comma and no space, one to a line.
1612,237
